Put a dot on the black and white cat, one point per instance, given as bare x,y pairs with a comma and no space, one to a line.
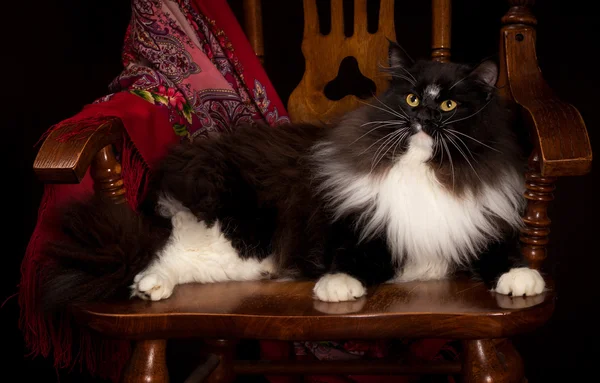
423,182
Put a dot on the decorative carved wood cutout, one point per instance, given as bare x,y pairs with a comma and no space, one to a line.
349,81
324,54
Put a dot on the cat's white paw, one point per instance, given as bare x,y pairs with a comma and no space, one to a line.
151,286
521,281
338,287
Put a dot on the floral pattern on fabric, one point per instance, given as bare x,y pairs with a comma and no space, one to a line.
170,47
180,112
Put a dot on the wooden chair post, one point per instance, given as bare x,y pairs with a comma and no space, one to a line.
254,28
539,193
148,363
441,30
535,235
492,361
106,173
225,351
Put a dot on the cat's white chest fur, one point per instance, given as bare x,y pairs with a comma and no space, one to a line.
428,227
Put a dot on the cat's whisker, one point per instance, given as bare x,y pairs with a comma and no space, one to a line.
404,136
463,154
392,112
385,105
434,137
437,147
390,121
408,73
398,76
436,143
382,138
439,135
384,149
450,157
383,125
405,71
464,118
386,146
404,113
443,122
466,135
393,144
440,138
458,82
401,138
464,144
388,70
404,78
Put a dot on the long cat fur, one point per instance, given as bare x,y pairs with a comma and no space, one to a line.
392,192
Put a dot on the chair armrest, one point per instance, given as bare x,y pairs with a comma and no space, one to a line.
66,161
558,131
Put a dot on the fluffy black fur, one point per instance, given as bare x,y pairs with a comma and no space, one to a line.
104,247
259,183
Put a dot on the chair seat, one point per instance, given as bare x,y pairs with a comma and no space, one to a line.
451,309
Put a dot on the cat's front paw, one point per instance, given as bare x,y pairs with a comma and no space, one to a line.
151,286
339,287
521,281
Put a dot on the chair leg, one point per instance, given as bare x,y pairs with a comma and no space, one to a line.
225,351
148,363
492,361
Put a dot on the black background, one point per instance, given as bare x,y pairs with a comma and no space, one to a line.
59,55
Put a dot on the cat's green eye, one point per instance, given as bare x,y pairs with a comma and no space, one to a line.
448,105
412,100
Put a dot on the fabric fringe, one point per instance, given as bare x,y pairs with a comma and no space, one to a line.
135,173
34,326
59,336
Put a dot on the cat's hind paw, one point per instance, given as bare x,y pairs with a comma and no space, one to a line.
339,287
521,281
151,286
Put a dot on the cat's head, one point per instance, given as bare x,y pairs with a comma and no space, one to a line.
449,114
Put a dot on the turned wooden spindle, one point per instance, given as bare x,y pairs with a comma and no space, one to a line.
535,235
441,30
254,28
106,173
148,363
225,351
491,361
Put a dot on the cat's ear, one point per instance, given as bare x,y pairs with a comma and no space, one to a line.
486,72
397,56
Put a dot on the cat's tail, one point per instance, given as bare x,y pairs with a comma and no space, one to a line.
105,246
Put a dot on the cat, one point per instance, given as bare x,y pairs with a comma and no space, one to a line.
422,182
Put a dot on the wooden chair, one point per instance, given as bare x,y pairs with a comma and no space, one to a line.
224,313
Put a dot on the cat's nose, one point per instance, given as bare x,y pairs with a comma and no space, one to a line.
425,116
416,126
